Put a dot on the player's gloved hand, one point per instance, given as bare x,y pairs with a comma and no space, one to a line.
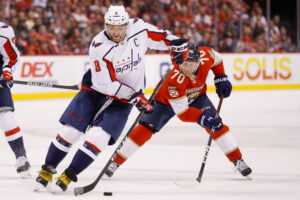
206,120
140,101
223,85
179,50
7,76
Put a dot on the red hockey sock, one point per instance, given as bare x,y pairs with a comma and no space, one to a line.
234,155
140,135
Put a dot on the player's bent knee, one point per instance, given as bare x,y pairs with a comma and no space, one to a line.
140,135
7,120
97,137
151,127
69,134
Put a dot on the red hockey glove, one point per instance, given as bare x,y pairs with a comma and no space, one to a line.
7,74
140,101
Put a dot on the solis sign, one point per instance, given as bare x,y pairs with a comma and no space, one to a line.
36,69
262,68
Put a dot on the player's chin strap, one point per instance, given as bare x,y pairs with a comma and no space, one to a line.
88,188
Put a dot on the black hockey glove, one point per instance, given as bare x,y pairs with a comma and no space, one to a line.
223,85
206,120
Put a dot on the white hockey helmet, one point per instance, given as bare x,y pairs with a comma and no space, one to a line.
116,15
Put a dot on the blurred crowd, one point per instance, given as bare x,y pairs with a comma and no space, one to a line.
45,27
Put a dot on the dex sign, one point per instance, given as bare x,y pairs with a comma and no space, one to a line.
36,69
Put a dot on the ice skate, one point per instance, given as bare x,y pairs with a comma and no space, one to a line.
111,169
63,181
23,167
242,168
44,177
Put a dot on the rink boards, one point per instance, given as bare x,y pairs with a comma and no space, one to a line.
245,71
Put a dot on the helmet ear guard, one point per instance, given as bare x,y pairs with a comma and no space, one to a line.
116,15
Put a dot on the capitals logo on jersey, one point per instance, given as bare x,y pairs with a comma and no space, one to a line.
128,64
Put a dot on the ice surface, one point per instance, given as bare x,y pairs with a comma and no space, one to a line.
266,125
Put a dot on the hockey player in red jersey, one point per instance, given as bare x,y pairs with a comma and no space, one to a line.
9,57
184,94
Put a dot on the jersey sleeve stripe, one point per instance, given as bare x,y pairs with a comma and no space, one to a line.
11,53
111,70
156,36
177,99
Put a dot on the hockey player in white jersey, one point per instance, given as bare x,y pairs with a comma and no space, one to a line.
9,58
113,84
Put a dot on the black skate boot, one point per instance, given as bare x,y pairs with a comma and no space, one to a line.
64,180
111,169
242,167
23,167
44,177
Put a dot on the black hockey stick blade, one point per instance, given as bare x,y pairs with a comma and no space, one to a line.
88,188
47,84
209,143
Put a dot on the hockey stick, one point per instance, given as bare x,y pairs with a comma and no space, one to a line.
88,188
209,143
47,84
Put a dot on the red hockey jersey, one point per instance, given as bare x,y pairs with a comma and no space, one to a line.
179,90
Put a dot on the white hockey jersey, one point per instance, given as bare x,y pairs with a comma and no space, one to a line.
9,54
118,69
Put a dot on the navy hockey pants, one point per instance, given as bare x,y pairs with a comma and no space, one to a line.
6,102
162,113
85,105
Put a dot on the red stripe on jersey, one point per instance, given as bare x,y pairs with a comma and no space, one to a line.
167,42
64,140
140,135
11,53
156,36
89,89
86,88
111,70
119,159
94,147
190,115
12,132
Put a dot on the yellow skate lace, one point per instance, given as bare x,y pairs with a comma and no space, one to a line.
46,175
64,178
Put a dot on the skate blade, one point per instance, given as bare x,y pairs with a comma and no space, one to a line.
37,187
55,189
187,184
25,174
249,177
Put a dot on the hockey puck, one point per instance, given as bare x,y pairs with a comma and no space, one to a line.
107,193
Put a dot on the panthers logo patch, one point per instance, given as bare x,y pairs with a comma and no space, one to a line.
173,92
